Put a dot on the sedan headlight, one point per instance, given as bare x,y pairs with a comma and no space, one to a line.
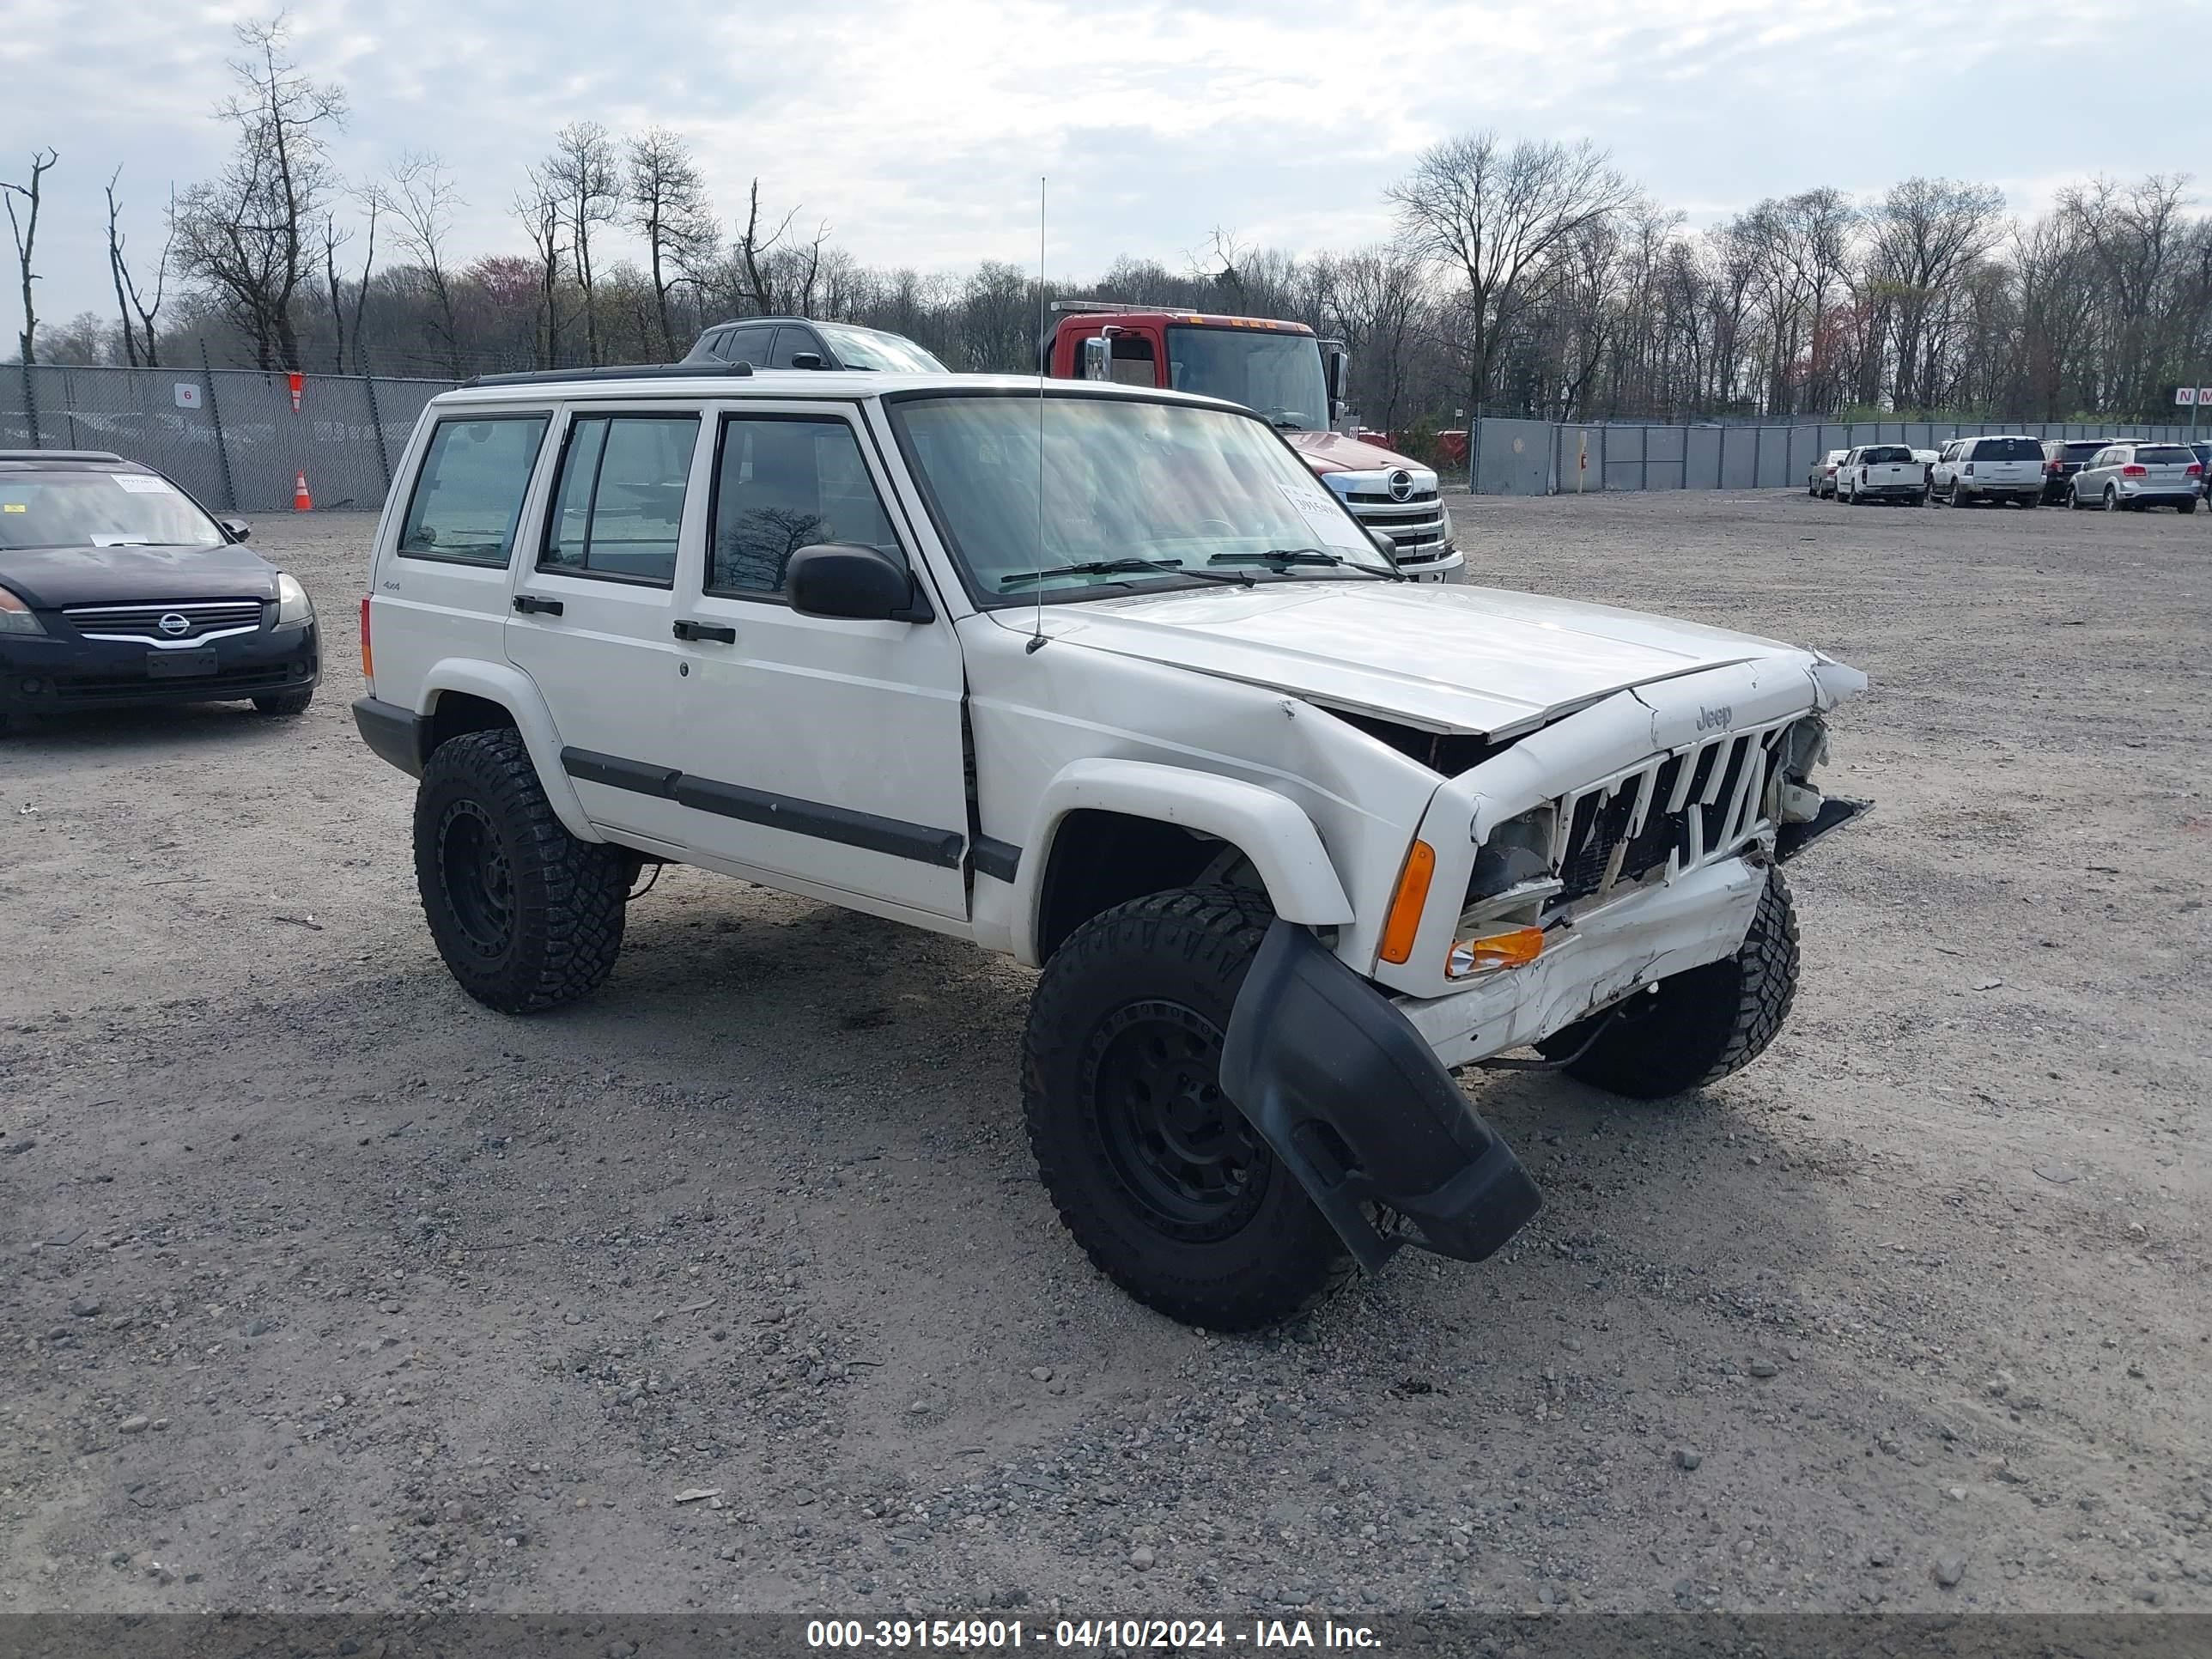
294,608
15,617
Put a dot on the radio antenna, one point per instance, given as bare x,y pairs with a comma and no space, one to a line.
1044,362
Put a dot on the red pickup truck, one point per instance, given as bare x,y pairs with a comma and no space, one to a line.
1287,374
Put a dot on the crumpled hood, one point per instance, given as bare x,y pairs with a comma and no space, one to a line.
1332,451
1480,660
48,577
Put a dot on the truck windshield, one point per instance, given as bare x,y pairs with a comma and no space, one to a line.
1181,488
1277,375
99,509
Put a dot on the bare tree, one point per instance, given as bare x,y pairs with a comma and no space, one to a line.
1496,217
246,234
420,199
333,239
26,232
669,207
753,249
587,186
371,207
538,208
141,340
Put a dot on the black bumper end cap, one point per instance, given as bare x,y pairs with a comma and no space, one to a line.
396,734
1792,839
1352,1101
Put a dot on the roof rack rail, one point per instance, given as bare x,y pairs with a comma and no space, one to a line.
619,372
59,455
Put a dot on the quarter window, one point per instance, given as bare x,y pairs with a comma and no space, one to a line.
619,501
782,483
468,497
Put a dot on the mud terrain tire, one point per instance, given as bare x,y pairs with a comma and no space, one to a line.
526,916
1163,1182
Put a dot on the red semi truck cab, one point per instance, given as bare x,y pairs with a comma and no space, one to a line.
1285,372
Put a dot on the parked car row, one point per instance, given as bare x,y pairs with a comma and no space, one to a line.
1990,470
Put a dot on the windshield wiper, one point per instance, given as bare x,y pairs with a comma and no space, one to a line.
1111,567
1282,558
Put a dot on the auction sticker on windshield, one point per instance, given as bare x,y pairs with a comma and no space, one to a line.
141,484
1323,516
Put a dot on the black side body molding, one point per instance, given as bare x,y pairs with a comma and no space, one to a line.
1359,1108
393,733
616,773
998,859
894,837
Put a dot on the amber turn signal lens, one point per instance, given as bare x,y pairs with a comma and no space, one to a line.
1515,948
367,658
1408,902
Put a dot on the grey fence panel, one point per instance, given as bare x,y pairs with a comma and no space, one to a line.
1516,457
136,413
328,441
399,405
1700,467
1741,449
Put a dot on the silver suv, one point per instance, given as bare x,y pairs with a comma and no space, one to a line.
2137,476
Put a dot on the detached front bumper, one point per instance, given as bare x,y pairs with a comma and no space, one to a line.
50,673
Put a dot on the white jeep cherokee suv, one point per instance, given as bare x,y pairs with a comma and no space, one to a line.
1101,677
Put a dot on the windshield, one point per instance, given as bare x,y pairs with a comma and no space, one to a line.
864,347
1277,375
1125,480
99,509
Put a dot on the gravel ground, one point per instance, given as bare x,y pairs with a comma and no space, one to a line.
330,1289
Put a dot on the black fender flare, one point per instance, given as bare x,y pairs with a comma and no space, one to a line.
1357,1107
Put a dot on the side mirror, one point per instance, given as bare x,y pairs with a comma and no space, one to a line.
1336,374
806,360
856,583
236,529
1384,545
1098,358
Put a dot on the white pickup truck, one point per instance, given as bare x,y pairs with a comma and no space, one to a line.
1882,472
1107,680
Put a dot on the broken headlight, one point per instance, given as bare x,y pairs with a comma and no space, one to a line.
1518,850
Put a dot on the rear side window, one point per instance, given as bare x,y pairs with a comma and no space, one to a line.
468,497
2008,449
619,501
783,484
744,345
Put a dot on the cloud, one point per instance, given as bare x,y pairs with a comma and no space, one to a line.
917,131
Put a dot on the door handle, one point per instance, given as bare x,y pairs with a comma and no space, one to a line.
688,630
531,606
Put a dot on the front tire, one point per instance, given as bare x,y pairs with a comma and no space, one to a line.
2111,499
1163,1182
526,916
1697,1027
284,705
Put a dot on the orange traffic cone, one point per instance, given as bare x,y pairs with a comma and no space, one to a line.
301,502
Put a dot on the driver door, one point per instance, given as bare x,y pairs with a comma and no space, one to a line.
818,748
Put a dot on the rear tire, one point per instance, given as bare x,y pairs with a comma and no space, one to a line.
1163,1182
2111,499
1695,1028
2188,506
284,705
526,916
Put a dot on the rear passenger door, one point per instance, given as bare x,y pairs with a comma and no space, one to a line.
592,607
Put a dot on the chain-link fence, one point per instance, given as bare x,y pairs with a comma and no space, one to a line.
231,436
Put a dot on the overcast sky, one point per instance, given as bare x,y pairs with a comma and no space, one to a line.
917,128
